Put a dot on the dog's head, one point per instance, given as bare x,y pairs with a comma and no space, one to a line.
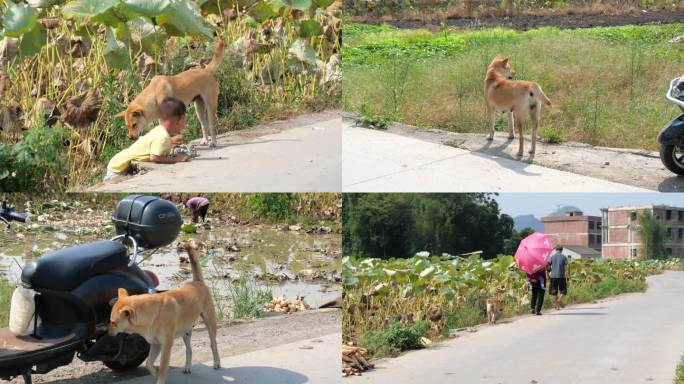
135,121
122,315
502,67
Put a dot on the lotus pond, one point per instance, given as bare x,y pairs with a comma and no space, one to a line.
450,291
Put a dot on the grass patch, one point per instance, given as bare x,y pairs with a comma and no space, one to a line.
6,290
551,135
245,299
679,375
435,80
396,338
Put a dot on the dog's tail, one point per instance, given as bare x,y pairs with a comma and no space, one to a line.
218,56
193,255
543,96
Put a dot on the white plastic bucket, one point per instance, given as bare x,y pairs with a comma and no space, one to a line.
22,310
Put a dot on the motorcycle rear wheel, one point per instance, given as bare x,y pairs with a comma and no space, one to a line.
134,361
672,157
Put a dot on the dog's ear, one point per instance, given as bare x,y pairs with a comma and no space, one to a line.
123,292
128,312
505,61
121,114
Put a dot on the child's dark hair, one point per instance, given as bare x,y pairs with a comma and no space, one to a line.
171,107
559,248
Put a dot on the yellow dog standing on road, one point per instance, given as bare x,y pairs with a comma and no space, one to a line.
517,98
162,317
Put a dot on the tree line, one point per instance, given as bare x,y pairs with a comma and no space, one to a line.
386,225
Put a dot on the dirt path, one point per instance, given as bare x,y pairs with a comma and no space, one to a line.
632,338
233,339
639,168
297,155
567,21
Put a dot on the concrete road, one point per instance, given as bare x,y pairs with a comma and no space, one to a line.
309,361
298,155
634,338
375,161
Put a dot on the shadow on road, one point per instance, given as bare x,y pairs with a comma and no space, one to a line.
266,375
672,184
578,314
487,150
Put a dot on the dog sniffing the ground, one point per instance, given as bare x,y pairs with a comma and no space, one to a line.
196,85
161,317
517,98
493,305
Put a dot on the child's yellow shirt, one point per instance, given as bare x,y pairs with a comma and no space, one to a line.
156,142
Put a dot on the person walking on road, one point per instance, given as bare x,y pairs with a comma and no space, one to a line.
559,283
537,283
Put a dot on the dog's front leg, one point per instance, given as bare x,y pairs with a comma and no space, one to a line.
188,351
165,356
510,125
152,357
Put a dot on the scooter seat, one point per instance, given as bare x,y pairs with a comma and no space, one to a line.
65,269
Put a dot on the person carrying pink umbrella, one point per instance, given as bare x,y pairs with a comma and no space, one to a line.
532,258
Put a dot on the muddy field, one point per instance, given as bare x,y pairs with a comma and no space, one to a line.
288,260
564,21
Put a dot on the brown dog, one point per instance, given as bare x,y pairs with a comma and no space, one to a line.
196,85
515,97
492,309
161,317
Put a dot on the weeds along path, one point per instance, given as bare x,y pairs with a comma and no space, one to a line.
302,155
528,21
631,338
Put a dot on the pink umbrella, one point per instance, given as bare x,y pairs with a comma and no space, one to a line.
533,252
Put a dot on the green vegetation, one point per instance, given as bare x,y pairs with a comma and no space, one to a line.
34,160
551,135
450,292
435,79
679,375
83,62
387,225
247,298
303,208
652,233
396,338
6,290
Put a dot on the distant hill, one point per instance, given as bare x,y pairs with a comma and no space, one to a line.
524,221
566,208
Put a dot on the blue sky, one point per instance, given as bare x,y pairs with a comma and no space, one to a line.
541,204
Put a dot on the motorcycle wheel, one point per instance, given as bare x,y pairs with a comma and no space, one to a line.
136,358
672,157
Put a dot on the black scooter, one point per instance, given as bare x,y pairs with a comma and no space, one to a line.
671,138
75,288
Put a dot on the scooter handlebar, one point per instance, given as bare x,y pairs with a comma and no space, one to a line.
670,93
17,216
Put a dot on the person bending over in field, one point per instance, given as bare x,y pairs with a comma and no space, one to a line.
155,146
199,206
